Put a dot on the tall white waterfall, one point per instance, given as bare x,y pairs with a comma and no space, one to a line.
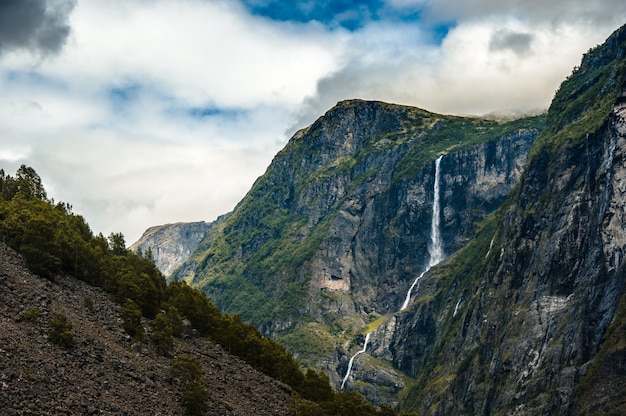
435,249
367,338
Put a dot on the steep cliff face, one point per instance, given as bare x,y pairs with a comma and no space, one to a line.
514,322
329,239
171,244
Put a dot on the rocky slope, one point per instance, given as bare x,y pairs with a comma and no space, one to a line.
329,240
171,244
105,372
526,319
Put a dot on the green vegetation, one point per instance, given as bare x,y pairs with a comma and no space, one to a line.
458,133
32,314
194,396
131,318
312,340
162,337
375,324
61,331
89,304
583,102
186,368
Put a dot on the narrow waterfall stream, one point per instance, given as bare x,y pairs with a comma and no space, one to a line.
367,338
435,252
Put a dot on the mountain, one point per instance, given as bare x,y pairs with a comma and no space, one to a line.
171,244
529,318
330,238
407,255
105,372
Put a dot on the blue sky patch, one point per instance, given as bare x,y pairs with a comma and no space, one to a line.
349,14
211,111
123,95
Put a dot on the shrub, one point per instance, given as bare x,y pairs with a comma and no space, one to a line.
32,314
161,337
61,331
186,368
175,320
194,398
131,315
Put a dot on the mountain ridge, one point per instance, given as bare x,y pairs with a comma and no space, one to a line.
536,306
514,321
356,181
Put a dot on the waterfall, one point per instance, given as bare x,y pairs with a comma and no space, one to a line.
435,252
456,308
490,247
367,338
435,249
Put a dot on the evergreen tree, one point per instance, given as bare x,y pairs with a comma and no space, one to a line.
131,317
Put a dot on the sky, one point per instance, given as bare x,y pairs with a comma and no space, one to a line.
146,112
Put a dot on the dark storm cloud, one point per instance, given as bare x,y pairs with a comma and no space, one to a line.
40,26
517,42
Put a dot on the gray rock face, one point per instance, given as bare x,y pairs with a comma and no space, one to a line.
171,244
514,322
329,240
378,242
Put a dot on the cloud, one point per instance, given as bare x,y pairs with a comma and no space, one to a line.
592,12
160,111
39,26
518,42
484,64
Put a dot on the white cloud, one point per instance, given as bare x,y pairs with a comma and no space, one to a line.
166,111
200,51
140,158
466,74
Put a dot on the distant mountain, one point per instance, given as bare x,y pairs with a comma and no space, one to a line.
171,244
